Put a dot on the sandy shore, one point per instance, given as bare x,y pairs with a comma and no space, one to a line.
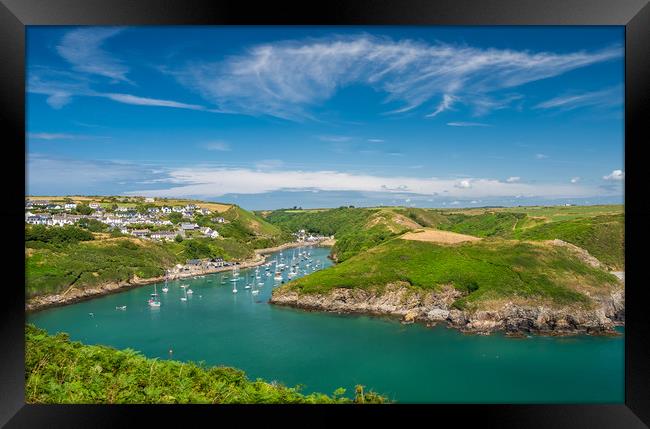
74,295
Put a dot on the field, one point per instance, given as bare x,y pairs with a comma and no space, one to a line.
437,236
59,371
108,201
484,270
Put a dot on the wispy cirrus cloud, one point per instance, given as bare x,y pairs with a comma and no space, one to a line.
467,124
335,139
82,48
608,97
288,79
62,136
145,101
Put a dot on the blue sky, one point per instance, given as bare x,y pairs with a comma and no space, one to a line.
270,117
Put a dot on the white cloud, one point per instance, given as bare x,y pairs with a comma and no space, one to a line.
217,181
615,175
604,98
463,184
217,145
540,156
143,101
376,140
50,136
62,136
83,49
335,139
467,124
575,179
513,179
286,79
445,104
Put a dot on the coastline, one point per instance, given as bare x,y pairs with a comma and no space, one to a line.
74,295
432,308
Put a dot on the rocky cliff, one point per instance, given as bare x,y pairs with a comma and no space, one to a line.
433,307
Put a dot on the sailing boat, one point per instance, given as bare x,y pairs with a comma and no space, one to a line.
165,289
154,301
189,291
184,298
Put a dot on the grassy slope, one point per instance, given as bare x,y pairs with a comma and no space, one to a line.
487,270
53,269
60,371
356,229
603,236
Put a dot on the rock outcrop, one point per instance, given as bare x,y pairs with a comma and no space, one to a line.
433,307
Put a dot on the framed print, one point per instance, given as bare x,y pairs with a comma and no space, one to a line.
370,210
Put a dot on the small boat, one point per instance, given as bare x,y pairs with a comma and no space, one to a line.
278,276
190,291
184,298
255,292
234,290
260,284
154,301
247,287
121,307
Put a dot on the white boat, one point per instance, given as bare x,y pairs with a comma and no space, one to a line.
255,292
260,284
234,289
190,291
122,307
154,301
277,276
247,287
165,289
184,298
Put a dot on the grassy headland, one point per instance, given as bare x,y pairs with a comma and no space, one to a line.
483,271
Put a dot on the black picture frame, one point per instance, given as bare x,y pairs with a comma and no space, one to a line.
633,14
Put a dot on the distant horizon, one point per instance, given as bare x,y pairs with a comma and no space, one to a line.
270,117
299,207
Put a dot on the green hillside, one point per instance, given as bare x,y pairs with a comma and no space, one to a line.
597,229
485,271
59,371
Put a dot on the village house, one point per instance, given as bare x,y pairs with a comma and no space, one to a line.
94,206
188,214
209,232
178,209
219,220
70,206
141,233
163,235
189,226
191,207
204,211
40,203
166,210
54,207
39,219
149,200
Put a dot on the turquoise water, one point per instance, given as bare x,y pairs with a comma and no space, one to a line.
408,363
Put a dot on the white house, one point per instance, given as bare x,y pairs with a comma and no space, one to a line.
189,226
219,220
166,210
209,232
163,235
149,200
178,209
94,205
70,206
